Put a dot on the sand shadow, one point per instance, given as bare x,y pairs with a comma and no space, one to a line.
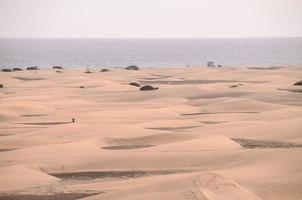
54,196
29,79
45,123
216,113
264,144
172,128
34,115
212,122
89,175
186,82
219,95
6,134
128,147
265,68
290,90
82,86
7,149
150,79
162,76
19,127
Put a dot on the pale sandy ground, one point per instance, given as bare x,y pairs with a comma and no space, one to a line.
170,143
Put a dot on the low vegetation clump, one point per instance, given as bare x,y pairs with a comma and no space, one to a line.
57,67
132,67
298,83
6,70
32,68
105,70
134,84
148,87
17,69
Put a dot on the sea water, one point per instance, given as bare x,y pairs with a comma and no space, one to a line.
101,53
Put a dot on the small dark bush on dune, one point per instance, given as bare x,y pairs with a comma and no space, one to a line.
32,68
1,86
88,72
148,87
57,67
17,69
105,70
59,71
6,70
298,83
237,85
134,84
132,67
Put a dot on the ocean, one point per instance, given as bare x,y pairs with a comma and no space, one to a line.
99,53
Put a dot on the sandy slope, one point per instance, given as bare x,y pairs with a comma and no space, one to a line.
171,143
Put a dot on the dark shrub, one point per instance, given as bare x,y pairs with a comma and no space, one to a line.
148,87
132,67
105,70
134,84
298,83
32,68
57,67
17,69
6,70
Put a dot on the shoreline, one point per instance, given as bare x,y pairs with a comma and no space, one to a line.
160,67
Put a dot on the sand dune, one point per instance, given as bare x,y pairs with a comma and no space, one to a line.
23,178
207,134
207,186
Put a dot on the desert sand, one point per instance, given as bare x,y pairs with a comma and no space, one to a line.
208,134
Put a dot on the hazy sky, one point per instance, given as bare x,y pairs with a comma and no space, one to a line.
150,18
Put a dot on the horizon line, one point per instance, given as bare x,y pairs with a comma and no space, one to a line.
128,38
